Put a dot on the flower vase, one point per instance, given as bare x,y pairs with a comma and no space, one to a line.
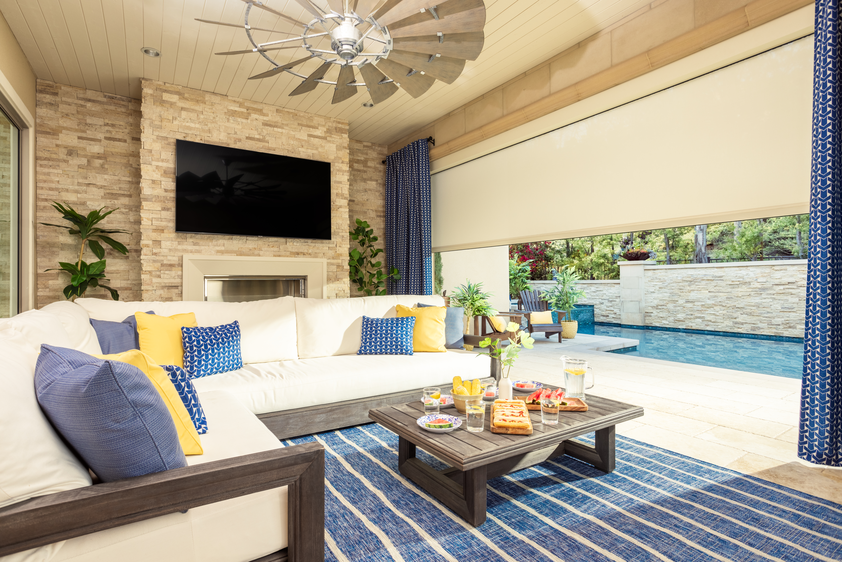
504,389
496,369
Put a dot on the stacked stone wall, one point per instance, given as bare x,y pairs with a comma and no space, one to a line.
604,295
88,156
367,200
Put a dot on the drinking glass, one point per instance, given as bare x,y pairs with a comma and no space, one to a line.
475,410
549,411
489,388
576,371
431,400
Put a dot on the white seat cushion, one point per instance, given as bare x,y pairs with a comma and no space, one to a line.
243,528
333,326
267,328
287,385
77,324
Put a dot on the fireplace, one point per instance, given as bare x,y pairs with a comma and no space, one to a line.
242,288
239,278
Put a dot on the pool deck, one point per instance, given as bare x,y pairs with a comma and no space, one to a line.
744,421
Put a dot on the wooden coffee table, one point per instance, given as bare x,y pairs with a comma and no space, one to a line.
476,458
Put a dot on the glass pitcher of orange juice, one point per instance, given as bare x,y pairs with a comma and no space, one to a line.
578,377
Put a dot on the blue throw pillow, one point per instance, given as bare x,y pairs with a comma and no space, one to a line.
387,336
109,412
187,393
454,326
117,337
208,351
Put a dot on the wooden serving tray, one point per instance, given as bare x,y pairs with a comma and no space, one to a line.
573,405
510,430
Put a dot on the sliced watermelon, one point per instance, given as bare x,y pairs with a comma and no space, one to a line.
545,393
534,398
439,424
557,394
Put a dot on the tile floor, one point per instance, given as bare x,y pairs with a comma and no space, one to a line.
744,421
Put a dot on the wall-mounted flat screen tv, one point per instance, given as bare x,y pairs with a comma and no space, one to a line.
222,190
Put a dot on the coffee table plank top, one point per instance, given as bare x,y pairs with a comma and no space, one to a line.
465,450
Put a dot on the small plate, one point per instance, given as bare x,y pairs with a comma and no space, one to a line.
430,417
446,401
538,386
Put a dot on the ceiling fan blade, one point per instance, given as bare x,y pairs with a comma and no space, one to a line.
310,8
455,16
240,26
379,92
279,69
272,11
343,91
445,69
405,9
365,8
415,85
309,84
384,8
337,6
246,51
457,45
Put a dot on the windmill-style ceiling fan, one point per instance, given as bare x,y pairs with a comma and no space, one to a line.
393,43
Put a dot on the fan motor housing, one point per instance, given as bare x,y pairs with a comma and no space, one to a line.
346,40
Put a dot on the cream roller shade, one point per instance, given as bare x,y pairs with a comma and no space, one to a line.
733,144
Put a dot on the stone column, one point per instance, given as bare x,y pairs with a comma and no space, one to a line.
632,290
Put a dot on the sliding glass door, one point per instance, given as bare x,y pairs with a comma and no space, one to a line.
9,191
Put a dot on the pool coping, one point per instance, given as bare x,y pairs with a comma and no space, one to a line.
704,332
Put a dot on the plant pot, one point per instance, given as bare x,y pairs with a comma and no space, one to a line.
569,329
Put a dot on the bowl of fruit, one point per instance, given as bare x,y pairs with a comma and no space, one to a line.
465,392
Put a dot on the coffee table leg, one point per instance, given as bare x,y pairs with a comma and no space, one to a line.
601,455
468,500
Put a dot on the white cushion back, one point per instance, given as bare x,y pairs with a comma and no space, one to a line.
267,328
334,326
33,459
36,327
77,324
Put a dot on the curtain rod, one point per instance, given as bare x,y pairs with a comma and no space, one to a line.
430,139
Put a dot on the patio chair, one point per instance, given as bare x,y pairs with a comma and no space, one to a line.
484,328
532,302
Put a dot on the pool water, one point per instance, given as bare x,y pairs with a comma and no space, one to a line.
782,359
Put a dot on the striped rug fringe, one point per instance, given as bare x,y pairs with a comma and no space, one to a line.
656,505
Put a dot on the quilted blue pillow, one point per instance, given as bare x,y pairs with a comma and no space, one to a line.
109,412
187,393
387,336
208,351
117,337
454,326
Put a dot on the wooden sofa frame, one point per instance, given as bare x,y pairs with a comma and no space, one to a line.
74,513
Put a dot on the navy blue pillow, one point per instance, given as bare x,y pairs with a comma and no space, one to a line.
109,412
387,336
189,396
454,326
117,337
208,351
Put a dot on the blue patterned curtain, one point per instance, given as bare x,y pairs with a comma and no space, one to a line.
408,234
820,435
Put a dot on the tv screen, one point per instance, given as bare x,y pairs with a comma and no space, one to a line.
221,190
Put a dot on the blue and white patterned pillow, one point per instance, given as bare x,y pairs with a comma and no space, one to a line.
387,336
208,351
187,393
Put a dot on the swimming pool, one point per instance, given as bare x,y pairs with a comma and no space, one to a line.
782,359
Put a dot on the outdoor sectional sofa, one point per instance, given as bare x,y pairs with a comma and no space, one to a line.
247,497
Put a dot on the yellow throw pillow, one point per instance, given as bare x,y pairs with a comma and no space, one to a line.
545,317
160,336
187,434
499,323
429,327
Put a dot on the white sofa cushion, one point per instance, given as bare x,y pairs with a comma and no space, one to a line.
33,459
36,327
243,528
77,324
333,326
267,328
287,385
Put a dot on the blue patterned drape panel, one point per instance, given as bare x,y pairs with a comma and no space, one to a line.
408,233
820,435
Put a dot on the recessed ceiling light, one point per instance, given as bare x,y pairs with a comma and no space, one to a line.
151,52
368,104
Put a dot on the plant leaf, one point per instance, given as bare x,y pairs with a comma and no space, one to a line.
96,248
114,244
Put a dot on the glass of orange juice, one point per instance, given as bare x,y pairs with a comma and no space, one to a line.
576,371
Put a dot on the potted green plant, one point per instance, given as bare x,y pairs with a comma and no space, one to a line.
563,297
473,300
365,271
84,276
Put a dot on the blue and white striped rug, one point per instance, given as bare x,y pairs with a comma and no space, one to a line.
657,505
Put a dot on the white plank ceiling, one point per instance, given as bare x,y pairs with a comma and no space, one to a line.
95,44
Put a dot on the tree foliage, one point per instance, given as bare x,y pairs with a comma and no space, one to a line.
366,271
